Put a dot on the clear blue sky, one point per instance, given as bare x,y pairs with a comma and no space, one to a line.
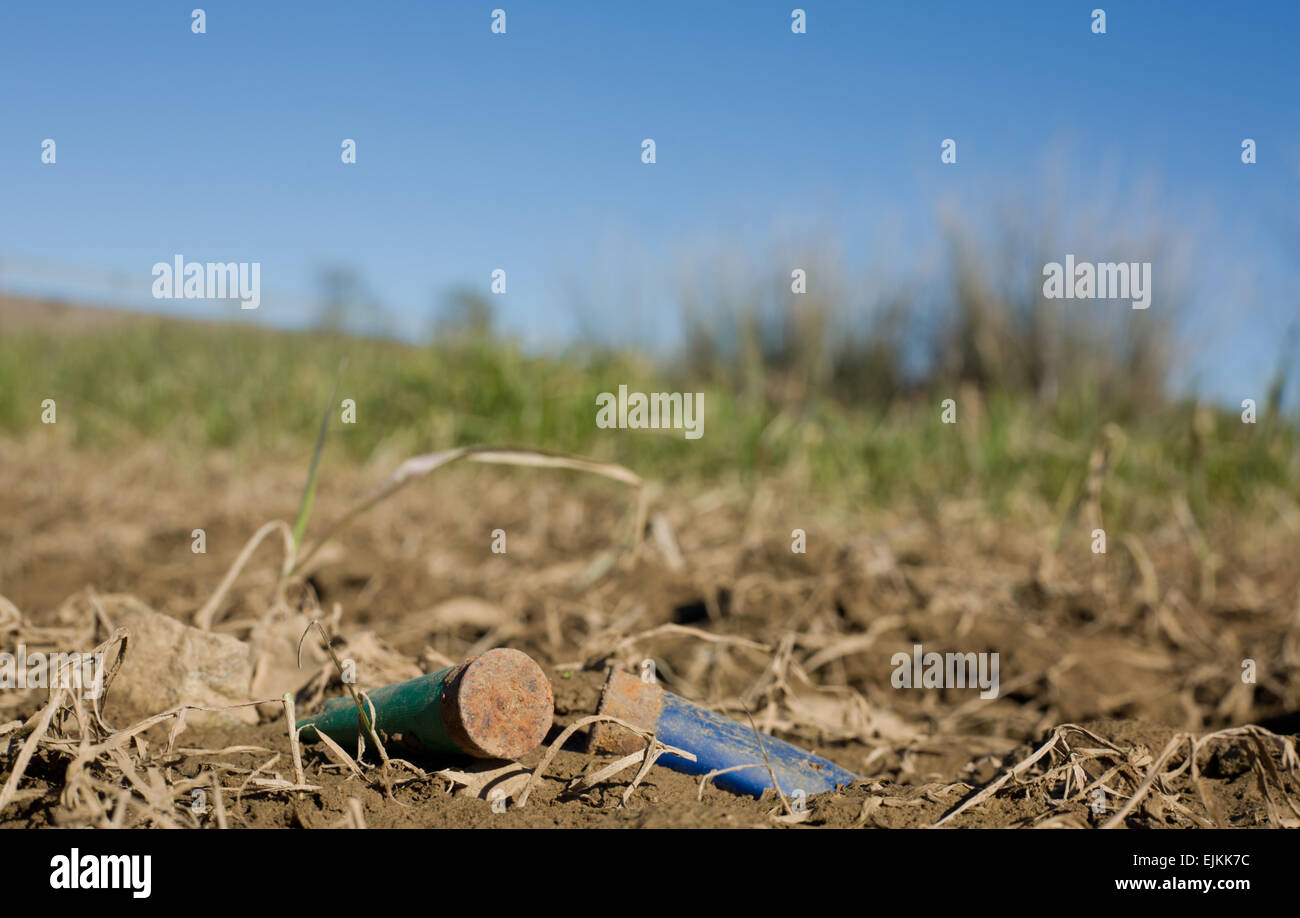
522,151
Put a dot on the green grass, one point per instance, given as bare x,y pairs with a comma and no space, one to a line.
260,392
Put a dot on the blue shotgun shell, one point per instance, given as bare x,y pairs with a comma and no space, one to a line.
718,742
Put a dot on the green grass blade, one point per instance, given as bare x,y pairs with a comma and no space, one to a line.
309,492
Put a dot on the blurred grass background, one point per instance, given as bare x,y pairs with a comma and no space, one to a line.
844,406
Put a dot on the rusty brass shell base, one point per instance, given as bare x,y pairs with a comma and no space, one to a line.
498,705
627,698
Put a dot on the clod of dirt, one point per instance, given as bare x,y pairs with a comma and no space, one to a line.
1228,763
170,664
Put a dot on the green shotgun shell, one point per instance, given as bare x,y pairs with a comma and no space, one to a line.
497,705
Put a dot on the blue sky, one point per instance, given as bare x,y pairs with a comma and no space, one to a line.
522,151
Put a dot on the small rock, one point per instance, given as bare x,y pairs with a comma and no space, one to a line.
169,663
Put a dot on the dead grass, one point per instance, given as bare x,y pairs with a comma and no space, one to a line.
1123,669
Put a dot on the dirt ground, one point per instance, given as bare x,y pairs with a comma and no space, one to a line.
1121,701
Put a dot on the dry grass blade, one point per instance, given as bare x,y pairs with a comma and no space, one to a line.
706,778
227,750
662,532
767,763
10,618
859,643
674,628
481,779
204,617
29,748
1018,769
586,782
366,719
218,803
418,466
294,745
337,753
646,756
1153,774
652,751
356,813
577,725
120,737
